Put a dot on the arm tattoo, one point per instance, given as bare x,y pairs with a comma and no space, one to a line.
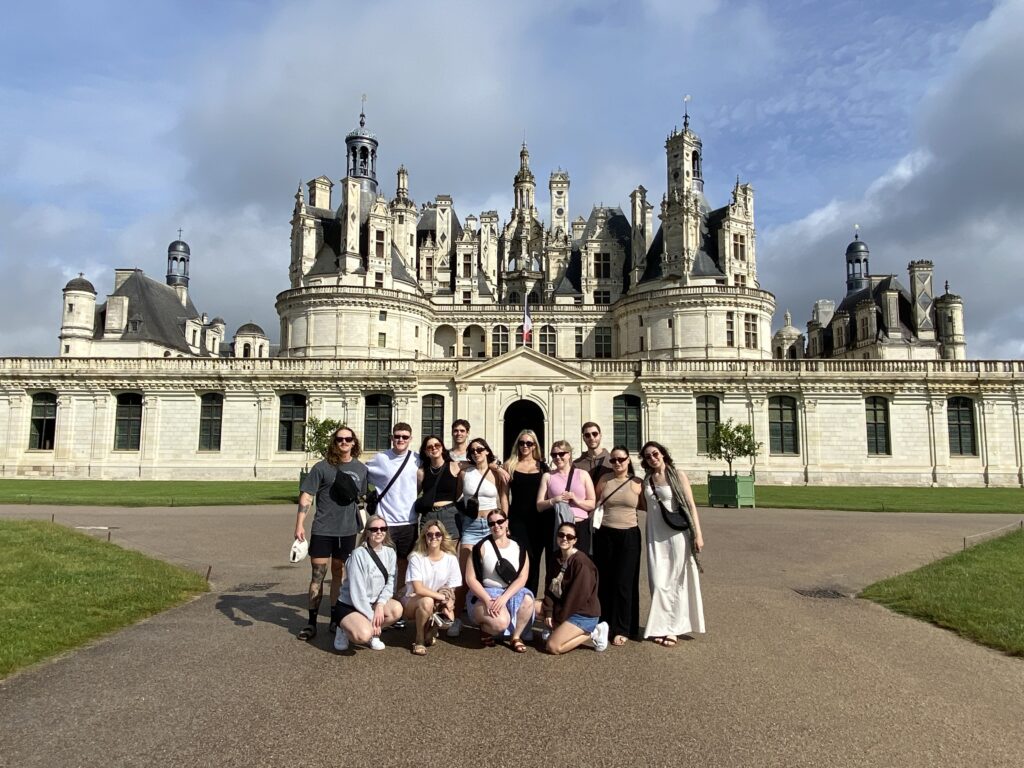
304,508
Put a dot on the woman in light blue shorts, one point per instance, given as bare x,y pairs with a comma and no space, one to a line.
571,605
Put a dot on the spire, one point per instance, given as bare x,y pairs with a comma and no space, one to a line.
524,158
362,113
686,112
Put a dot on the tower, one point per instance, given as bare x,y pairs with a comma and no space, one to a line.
858,275
178,254
78,317
922,293
524,184
558,187
403,217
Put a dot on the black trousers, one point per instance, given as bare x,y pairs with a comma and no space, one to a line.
617,557
540,545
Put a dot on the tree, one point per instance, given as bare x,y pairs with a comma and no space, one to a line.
319,434
733,441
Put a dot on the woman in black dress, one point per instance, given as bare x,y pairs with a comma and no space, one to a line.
528,527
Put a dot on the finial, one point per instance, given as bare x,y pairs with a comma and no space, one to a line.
947,286
686,112
856,231
362,113
179,233
82,274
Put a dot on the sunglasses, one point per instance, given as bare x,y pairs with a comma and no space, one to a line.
591,434
495,523
378,529
619,459
652,455
432,446
527,443
559,454
478,449
435,535
400,437
343,439
565,536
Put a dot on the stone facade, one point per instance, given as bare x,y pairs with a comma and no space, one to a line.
398,312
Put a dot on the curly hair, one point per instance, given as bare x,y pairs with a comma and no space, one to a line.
334,453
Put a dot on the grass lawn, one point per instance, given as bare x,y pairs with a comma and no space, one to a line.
978,593
883,499
148,493
60,588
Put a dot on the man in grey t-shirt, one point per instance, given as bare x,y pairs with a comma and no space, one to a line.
333,534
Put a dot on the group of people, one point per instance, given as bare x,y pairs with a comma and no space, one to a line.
452,536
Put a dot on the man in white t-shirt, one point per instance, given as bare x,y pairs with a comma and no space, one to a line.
460,440
397,506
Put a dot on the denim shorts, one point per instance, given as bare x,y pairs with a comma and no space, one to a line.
587,623
474,530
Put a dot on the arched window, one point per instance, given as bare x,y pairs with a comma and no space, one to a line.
513,297
291,430
782,426
247,350
547,340
532,298
128,422
43,427
708,416
432,416
499,340
960,416
377,426
211,409
876,413
627,427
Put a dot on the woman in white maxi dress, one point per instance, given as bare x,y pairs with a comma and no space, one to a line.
676,605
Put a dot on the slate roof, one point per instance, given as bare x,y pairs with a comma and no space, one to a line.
571,283
157,308
874,293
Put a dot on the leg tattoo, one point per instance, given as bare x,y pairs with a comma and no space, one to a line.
316,585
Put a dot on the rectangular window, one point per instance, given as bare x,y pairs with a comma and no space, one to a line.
382,339
740,280
467,297
428,268
432,415
626,422
43,426
579,342
739,247
499,340
782,426
377,426
602,297
382,316
291,428
467,265
602,342
730,329
401,218
128,422
378,279
642,343
960,417
603,266
876,411
750,331
380,244
864,329
707,420
547,341
211,410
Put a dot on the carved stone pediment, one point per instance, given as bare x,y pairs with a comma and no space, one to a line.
524,364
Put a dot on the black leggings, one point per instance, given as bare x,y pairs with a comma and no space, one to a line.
617,557
540,538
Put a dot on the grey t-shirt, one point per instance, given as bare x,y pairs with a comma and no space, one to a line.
333,519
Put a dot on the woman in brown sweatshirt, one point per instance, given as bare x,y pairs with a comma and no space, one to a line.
571,607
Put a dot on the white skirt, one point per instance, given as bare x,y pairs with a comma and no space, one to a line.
676,605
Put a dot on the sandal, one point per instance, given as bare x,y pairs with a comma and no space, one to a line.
669,641
418,649
486,640
308,632
619,640
517,645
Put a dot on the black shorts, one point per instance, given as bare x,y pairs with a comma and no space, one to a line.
344,609
335,547
404,537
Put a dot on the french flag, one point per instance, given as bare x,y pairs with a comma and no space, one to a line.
527,322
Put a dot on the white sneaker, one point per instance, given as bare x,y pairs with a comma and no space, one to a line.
600,636
545,634
455,629
341,640
376,644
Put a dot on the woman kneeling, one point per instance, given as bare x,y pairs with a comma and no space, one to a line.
365,603
430,583
498,600
570,603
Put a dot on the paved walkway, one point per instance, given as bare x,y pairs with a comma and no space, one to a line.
779,680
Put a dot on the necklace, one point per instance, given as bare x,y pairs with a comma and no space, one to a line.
437,471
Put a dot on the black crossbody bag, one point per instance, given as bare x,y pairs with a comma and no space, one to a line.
373,498
504,568
677,521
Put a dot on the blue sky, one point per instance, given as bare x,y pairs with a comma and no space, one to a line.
123,121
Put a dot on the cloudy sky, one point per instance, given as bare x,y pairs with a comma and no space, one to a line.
123,121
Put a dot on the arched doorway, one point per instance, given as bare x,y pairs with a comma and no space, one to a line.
522,414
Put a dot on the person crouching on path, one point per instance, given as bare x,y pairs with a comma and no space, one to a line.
571,608
498,599
430,584
337,482
365,604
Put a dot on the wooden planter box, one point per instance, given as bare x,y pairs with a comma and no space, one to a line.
731,490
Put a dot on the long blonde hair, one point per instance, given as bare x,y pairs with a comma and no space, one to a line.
512,463
447,542
364,534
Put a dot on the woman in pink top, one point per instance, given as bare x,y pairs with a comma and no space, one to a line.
573,486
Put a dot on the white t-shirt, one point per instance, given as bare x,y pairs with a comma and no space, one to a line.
433,575
489,560
397,506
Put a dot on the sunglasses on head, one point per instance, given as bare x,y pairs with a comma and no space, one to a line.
344,439
566,536
559,454
618,459
495,523
527,443
378,529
